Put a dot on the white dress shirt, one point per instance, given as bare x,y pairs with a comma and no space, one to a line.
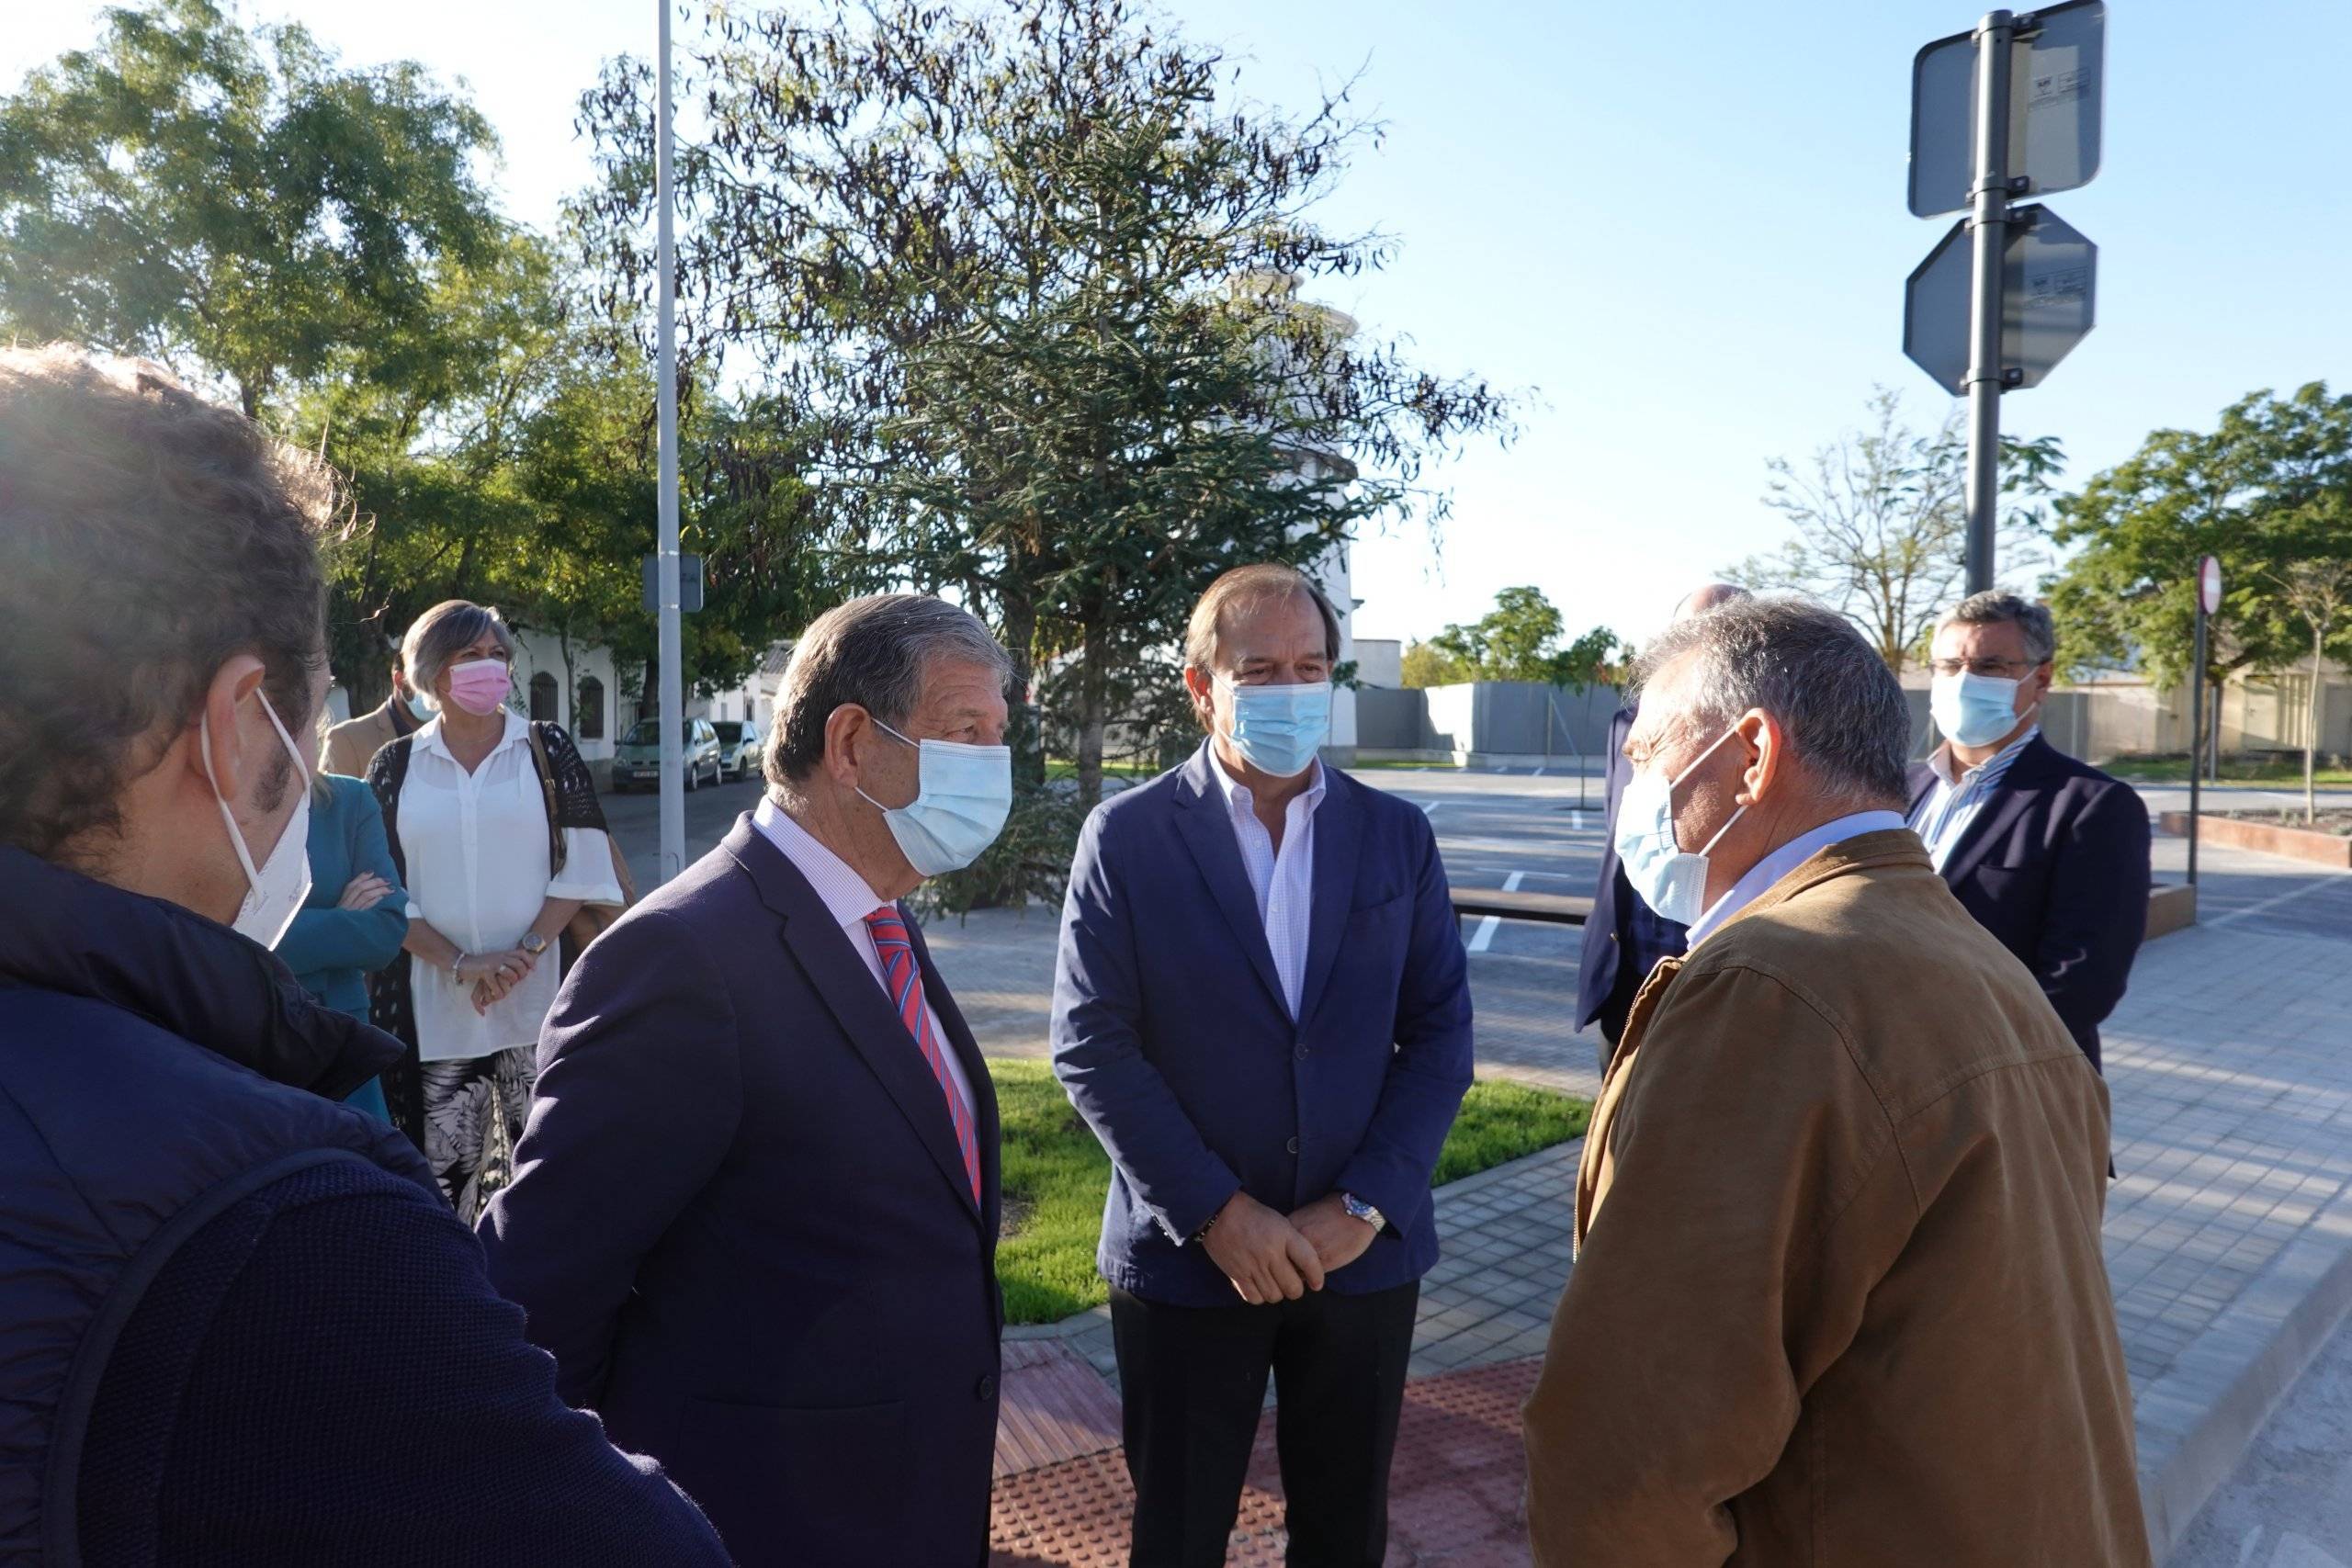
849,901
1285,880
476,851
1786,859
1957,798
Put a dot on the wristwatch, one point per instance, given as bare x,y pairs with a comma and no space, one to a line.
1358,1209
533,943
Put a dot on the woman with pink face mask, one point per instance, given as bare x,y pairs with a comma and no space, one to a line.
494,826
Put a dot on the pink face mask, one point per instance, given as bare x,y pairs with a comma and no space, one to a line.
481,685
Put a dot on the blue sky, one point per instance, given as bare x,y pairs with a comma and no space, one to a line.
1681,224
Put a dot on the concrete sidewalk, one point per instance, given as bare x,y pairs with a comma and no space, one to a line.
2228,1231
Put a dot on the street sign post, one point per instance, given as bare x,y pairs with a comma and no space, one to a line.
689,584
2049,289
2057,60
2208,600
668,633
2013,106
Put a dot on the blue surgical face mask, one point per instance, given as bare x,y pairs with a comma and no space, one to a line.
1670,879
1279,729
1974,709
419,707
963,796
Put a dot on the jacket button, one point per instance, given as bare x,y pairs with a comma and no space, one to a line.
1292,1145
1301,1053
986,1389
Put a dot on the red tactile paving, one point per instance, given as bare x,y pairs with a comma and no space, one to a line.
1456,1492
1053,1408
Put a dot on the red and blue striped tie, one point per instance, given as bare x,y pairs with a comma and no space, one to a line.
904,982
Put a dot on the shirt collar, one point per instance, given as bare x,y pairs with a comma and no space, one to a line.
1940,763
429,737
838,885
1784,860
1240,801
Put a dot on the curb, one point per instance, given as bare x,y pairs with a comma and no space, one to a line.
2254,1353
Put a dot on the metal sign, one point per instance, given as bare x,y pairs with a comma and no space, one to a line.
2057,66
2049,295
2209,585
689,584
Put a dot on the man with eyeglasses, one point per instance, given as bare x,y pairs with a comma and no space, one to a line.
2050,854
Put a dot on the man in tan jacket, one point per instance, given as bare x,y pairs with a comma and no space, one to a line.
1838,1299
353,744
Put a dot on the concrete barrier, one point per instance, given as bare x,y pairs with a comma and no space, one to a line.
2171,907
2332,850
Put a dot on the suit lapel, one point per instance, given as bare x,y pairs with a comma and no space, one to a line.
2011,799
838,973
1208,834
1338,828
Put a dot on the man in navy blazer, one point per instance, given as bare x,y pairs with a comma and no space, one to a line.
754,1213
1625,938
2050,854
1261,1009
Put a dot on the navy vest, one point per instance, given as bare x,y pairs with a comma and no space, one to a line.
127,1122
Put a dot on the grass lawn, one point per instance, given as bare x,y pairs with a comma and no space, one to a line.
1056,1175
1065,768
2287,770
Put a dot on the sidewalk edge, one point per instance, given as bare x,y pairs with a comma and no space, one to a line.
2253,1352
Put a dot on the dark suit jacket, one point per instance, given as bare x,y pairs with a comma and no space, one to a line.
1172,1038
1625,938
741,1224
2056,866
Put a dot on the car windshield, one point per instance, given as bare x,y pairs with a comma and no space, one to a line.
729,731
645,732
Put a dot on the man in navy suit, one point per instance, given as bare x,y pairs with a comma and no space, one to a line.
2051,855
1261,1006
1624,938
754,1214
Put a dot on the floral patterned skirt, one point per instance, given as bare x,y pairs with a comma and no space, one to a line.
474,1113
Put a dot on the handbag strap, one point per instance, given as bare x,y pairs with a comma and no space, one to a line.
546,792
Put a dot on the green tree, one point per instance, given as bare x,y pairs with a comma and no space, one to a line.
230,200
2264,492
1881,524
1034,286
1427,665
1517,640
2319,594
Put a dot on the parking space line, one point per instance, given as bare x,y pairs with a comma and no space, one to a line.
2313,886
1487,926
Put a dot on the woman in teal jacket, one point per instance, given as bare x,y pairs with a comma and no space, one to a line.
357,916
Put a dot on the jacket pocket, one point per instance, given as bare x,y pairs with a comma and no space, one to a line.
778,1480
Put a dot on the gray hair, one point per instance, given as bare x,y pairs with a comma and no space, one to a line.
1806,666
1994,606
444,632
875,652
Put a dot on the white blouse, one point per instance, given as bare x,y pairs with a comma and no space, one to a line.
476,847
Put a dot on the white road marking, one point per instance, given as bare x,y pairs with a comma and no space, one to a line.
1576,820
1487,926
2312,886
1536,775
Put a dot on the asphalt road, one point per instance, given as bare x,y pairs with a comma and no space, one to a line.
2290,1503
635,822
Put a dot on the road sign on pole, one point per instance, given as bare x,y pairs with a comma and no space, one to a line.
2048,288
689,584
2057,59
2012,107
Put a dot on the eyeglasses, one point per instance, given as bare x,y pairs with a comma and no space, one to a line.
1991,669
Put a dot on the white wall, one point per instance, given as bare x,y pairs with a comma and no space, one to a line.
1380,662
537,653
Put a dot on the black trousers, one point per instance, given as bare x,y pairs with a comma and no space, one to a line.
1192,1382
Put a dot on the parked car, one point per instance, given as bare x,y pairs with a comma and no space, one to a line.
636,761
739,748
